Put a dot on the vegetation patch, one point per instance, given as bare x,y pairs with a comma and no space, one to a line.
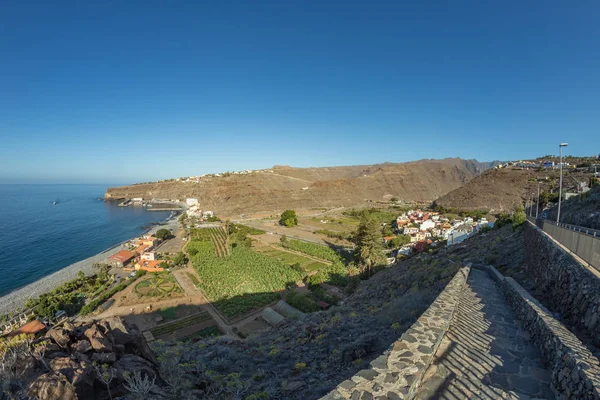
241,282
305,264
81,295
211,331
171,327
312,249
159,285
193,278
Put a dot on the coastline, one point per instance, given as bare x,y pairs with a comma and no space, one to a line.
17,298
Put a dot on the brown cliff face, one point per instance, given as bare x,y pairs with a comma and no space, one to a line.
503,190
300,188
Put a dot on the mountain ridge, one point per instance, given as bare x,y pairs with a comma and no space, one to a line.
290,187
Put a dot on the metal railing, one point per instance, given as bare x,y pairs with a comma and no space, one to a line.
581,241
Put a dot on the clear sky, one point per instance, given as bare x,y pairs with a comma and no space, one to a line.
126,91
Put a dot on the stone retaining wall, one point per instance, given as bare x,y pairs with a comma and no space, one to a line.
575,371
570,288
397,373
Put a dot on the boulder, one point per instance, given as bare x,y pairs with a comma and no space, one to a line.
79,374
52,387
60,337
131,363
97,339
121,332
64,366
83,346
81,357
51,350
104,358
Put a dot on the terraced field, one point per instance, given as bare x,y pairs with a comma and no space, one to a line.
184,327
217,236
244,281
307,264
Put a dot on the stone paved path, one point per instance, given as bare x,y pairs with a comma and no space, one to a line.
485,353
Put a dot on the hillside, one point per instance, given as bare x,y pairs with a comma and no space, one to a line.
314,355
288,187
582,210
500,190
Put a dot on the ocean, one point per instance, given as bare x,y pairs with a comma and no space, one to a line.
38,238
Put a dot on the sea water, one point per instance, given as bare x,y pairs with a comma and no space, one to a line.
38,237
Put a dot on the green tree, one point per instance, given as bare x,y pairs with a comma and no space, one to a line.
288,218
163,234
369,243
179,259
398,241
394,199
518,218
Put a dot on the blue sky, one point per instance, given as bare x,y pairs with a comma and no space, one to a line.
112,91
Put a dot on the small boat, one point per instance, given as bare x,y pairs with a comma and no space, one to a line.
53,203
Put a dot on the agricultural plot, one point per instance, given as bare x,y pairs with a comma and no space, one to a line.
242,282
159,285
217,236
313,249
306,264
183,327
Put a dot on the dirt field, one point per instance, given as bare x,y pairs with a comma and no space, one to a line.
173,245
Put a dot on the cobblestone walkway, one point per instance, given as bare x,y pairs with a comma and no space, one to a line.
485,353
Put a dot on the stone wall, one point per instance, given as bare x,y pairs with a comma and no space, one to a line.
397,373
575,371
570,288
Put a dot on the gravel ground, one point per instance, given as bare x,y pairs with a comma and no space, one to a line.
17,298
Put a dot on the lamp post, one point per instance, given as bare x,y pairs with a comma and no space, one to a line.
537,207
560,146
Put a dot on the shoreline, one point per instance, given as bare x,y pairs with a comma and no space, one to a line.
17,298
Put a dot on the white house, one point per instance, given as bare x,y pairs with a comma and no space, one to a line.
149,256
191,202
428,224
409,230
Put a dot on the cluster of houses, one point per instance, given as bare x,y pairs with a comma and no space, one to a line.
535,165
430,228
140,256
197,179
194,210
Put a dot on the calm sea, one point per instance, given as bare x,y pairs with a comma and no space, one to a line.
38,238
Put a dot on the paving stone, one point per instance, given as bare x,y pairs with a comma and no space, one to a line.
484,350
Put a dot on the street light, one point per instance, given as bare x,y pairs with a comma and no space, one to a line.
537,207
560,146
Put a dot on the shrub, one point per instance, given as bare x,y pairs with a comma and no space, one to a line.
518,218
288,218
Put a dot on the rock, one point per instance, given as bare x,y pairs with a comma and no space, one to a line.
131,362
60,337
119,349
69,327
52,387
63,365
79,375
97,339
81,357
51,350
121,332
83,346
104,358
